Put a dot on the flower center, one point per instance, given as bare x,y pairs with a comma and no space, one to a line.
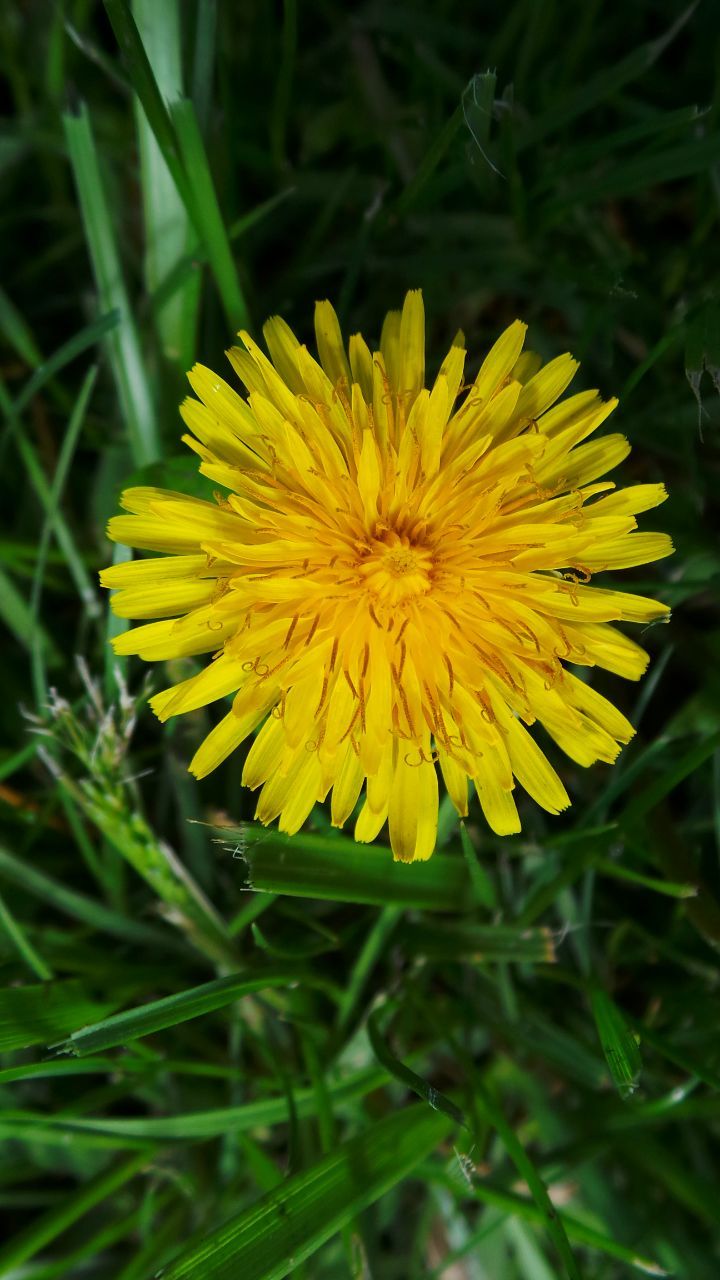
396,569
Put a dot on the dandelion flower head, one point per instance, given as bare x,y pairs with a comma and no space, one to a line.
394,577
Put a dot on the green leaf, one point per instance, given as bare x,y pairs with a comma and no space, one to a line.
526,1168
67,450
80,906
375,942
65,354
603,84
50,1225
40,1013
146,88
675,773
482,884
517,1206
123,343
618,1043
15,934
157,1015
186,1126
170,237
273,1237
17,615
482,943
340,871
16,331
638,174
208,218
406,1077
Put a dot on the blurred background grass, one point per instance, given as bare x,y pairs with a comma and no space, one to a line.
553,997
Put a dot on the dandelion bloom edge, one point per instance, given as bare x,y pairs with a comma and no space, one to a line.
395,577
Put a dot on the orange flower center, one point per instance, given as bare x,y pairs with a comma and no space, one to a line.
396,569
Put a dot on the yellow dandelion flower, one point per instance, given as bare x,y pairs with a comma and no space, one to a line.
396,578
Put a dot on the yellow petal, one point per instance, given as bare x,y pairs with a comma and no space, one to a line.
369,824
380,783
302,796
411,370
283,347
163,599
390,347
426,837
546,386
413,807
222,677
633,500
330,344
347,787
290,792
533,771
361,365
610,649
628,551
496,802
198,632
222,740
264,757
152,569
526,366
499,362
455,779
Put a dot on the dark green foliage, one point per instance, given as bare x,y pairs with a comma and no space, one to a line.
255,1059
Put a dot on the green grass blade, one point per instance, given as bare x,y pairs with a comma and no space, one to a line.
180,141
272,1238
517,1206
67,449
481,943
121,1028
16,331
188,1126
79,906
65,354
603,85
372,948
340,871
204,60
410,1079
52,1224
482,884
18,616
40,1013
668,887
671,777
694,156
188,265
618,1043
146,88
283,87
15,934
16,761
526,1168
123,343
169,234
127,832
208,219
